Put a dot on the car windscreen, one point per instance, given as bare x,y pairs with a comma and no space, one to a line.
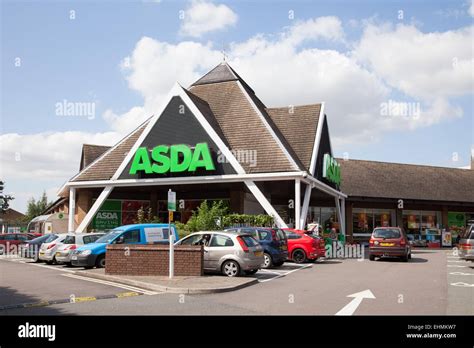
70,239
109,237
50,238
386,233
40,239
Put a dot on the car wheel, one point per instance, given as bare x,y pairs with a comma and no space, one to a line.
409,256
36,258
253,271
267,261
100,263
230,268
299,256
371,257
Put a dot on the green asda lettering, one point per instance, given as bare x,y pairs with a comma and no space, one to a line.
331,169
174,158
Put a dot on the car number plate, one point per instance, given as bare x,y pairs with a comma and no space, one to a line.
387,244
73,257
41,252
258,253
58,254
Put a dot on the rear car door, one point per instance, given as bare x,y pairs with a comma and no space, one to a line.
220,245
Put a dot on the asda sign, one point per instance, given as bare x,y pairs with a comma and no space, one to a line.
331,169
172,159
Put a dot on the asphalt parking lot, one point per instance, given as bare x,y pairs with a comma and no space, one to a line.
433,282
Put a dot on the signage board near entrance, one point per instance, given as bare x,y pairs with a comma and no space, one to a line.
331,169
171,200
172,159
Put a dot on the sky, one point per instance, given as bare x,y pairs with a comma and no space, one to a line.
396,76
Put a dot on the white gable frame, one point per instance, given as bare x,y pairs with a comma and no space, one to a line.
179,91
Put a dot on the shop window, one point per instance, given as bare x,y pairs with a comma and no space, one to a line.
365,220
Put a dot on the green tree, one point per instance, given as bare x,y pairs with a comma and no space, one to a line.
36,207
208,217
4,199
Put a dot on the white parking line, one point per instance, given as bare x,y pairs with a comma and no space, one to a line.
106,282
55,268
461,273
456,261
457,266
284,274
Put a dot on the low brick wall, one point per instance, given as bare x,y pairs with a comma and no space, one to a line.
153,260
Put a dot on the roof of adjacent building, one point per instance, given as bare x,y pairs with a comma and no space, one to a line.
12,215
406,181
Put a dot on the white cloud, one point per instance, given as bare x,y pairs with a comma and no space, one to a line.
329,28
471,9
46,156
421,65
203,17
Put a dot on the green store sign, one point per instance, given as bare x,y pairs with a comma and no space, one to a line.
175,158
456,219
109,215
331,169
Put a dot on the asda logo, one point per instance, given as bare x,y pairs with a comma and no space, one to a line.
107,215
331,169
175,158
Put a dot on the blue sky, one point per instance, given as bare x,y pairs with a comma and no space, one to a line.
81,60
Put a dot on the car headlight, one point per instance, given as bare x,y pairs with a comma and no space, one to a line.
86,252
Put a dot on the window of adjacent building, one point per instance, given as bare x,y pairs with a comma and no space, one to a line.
416,221
365,220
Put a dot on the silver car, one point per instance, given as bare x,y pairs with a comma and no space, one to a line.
72,241
48,249
466,244
230,253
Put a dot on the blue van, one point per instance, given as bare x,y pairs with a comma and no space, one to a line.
93,254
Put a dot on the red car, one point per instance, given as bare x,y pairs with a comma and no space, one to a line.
303,247
9,239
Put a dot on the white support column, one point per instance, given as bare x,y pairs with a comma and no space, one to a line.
304,209
297,203
343,214
72,209
265,203
95,207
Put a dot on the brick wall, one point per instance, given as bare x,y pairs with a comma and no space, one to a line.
143,260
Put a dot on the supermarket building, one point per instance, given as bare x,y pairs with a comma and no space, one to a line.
217,141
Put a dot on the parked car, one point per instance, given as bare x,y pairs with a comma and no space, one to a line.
31,248
466,244
8,240
303,246
47,251
72,242
93,254
273,241
231,253
389,241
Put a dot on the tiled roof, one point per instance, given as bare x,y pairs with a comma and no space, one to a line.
298,125
90,154
406,181
242,127
104,167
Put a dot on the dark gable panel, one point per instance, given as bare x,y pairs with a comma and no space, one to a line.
173,128
324,147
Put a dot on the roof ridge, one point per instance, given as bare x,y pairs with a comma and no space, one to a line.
295,106
403,164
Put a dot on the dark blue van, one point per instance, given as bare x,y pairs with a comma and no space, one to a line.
93,254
